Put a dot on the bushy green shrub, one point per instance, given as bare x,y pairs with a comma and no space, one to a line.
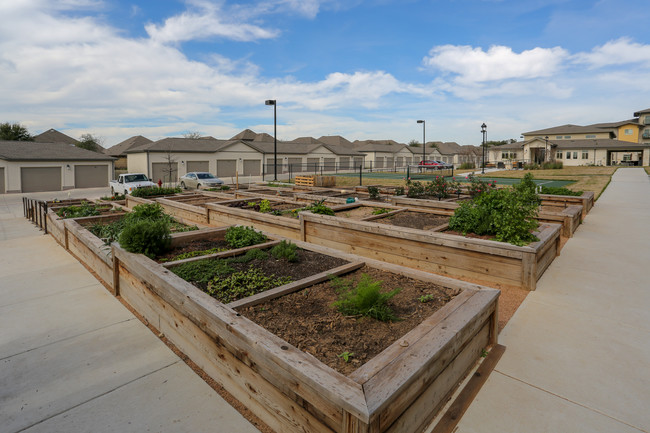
442,188
478,186
556,165
399,190
415,189
366,299
150,238
373,193
285,250
467,166
240,236
148,192
560,191
507,214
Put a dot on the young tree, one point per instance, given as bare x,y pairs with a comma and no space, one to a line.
90,142
414,143
192,134
14,132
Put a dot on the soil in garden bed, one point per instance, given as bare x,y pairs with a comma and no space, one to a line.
198,245
415,220
307,319
357,213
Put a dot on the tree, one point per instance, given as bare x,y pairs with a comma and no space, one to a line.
90,142
414,143
192,134
14,132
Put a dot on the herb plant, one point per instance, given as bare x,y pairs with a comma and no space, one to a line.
373,193
285,250
366,299
241,236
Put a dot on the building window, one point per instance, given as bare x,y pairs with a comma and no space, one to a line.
628,132
647,120
567,136
558,137
575,155
568,155
627,157
646,133
585,154
559,155
590,136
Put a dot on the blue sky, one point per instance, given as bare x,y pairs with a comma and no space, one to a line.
361,69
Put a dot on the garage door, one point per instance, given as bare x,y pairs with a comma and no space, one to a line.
252,167
329,164
2,180
296,165
161,170
226,167
36,179
312,164
198,166
90,176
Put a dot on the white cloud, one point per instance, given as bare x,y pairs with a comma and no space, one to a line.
473,65
621,51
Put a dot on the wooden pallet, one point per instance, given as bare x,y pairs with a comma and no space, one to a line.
305,180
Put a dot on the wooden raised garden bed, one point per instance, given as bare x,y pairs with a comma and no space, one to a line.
586,200
399,390
490,262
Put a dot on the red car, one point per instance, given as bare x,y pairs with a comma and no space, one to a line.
431,163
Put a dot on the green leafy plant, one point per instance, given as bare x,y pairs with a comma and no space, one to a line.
380,211
478,186
242,284
150,238
366,299
399,190
507,214
346,356
467,166
415,189
191,254
202,271
285,250
265,206
559,191
115,197
319,207
373,193
85,209
241,236
426,298
148,192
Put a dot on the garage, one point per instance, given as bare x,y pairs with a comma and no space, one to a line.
199,166
2,180
161,171
329,164
252,167
90,176
38,179
295,165
226,167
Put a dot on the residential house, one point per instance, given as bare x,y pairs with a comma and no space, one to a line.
27,166
384,154
119,150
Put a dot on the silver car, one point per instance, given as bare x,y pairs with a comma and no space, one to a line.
196,179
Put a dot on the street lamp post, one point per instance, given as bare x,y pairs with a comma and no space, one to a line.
546,149
275,137
424,141
483,131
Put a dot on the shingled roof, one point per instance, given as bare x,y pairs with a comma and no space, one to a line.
180,144
54,136
37,151
130,143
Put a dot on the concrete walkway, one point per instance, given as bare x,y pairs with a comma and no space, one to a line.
578,348
73,359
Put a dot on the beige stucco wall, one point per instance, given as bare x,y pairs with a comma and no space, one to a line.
136,163
12,171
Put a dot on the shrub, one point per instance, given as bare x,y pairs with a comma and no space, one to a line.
240,236
531,166
507,214
265,206
557,165
148,192
442,188
285,250
150,238
478,186
373,192
467,166
415,189
559,191
399,190
115,197
527,190
366,299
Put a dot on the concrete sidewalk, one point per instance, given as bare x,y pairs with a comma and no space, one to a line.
578,348
73,359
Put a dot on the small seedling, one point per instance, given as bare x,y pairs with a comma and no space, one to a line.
484,353
380,211
346,356
426,298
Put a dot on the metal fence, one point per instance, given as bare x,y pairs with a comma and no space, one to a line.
290,170
36,211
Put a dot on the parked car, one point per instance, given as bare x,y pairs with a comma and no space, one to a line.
196,179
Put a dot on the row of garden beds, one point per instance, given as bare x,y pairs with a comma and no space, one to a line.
286,382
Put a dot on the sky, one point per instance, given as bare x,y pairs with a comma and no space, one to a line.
358,68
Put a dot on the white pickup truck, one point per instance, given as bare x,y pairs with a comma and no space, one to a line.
126,183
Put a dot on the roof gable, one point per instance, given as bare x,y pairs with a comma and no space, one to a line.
54,136
37,151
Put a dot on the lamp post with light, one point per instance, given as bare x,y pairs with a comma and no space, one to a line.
483,131
275,137
424,141
546,149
